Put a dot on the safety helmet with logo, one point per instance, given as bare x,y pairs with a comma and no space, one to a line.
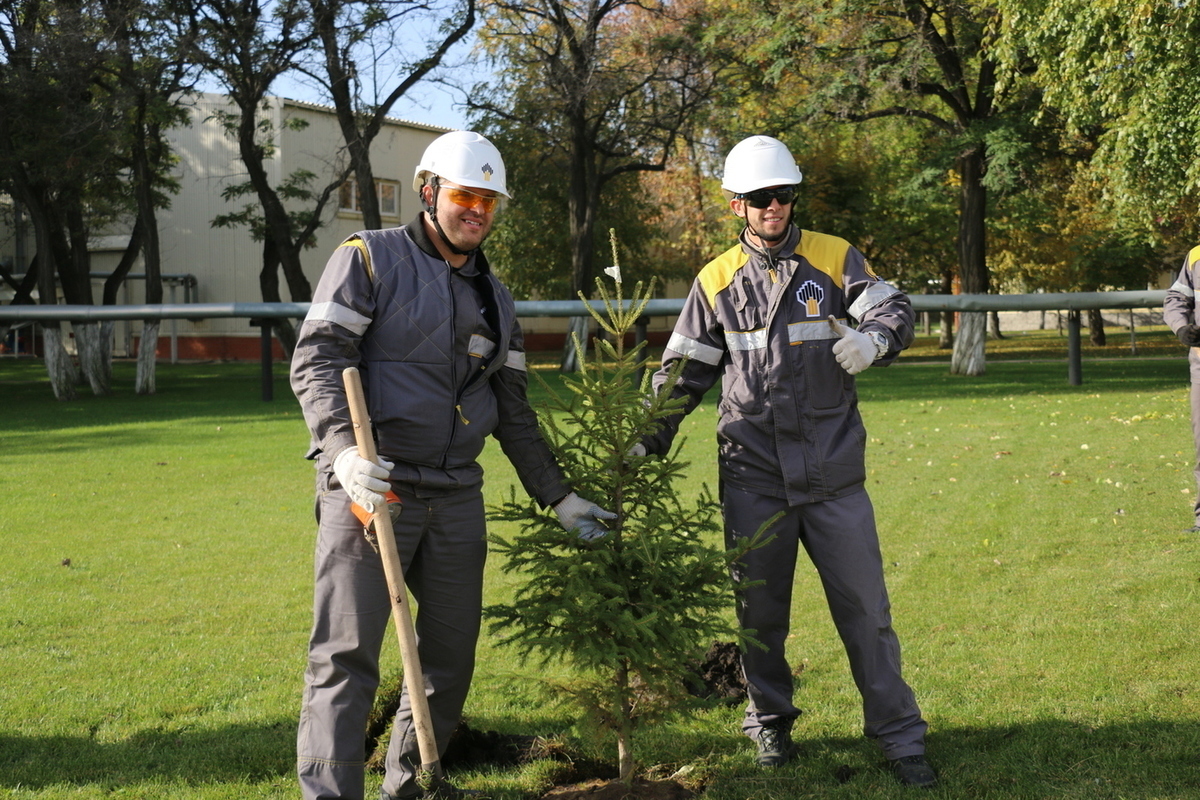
757,163
465,158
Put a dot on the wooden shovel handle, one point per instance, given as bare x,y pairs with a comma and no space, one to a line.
393,570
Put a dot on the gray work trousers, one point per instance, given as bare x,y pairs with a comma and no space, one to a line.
441,539
1194,370
841,540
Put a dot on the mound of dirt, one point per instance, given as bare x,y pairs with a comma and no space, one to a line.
471,748
719,675
615,790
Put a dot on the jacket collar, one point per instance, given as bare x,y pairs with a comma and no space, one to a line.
784,250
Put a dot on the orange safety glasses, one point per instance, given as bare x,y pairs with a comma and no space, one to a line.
468,199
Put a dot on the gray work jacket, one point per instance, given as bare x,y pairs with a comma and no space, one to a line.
788,424
1179,306
386,305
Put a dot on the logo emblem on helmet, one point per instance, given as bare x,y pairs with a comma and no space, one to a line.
487,172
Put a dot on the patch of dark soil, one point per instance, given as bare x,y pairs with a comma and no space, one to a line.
637,789
719,675
844,773
470,748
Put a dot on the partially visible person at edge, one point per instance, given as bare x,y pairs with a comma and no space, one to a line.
435,336
785,319
1179,312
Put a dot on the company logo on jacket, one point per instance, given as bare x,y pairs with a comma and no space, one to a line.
810,295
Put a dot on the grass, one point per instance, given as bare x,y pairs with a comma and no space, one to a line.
1044,593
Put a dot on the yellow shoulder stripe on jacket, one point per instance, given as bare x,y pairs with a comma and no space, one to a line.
826,253
366,254
1193,257
718,273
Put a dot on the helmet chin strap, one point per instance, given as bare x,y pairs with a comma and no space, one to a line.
431,210
768,243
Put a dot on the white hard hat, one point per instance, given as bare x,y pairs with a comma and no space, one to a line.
759,162
465,158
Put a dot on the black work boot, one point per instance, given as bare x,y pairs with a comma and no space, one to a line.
775,746
914,771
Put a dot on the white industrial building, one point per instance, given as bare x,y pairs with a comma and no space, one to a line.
203,264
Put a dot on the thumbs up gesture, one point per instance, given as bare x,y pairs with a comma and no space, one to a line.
854,351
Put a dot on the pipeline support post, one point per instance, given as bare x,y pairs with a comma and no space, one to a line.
268,381
1074,358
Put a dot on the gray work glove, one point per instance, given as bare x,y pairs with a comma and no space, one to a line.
576,514
1189,335
363,480
854,351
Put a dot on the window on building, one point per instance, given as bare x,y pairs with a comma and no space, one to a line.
350,200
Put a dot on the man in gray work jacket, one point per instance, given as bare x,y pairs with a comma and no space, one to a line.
785,319
1179,312
435,337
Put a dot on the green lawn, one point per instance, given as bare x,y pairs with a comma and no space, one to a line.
154,605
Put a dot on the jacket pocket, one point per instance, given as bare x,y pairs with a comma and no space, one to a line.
826,384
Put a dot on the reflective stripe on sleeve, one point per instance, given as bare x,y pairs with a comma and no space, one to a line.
746,340
1182,288
338,314
515,360
872,296
693,349
812,331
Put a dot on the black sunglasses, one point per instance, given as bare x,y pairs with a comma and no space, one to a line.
761,198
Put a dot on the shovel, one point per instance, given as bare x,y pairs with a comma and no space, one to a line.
430,776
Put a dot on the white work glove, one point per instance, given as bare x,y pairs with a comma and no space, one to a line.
576,514
854,351
637,450
364,481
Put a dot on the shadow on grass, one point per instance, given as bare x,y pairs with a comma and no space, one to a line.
1138,760
1051,758
235,753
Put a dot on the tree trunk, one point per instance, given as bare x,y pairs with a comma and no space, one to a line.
268,281
946,335
116,279
581,209
994,319
284,251
63,375
93,342
1096,327
147,380
356,139
968,357
625,761
59,368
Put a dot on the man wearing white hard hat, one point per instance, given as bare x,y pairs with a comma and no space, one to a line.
436,341
785,319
